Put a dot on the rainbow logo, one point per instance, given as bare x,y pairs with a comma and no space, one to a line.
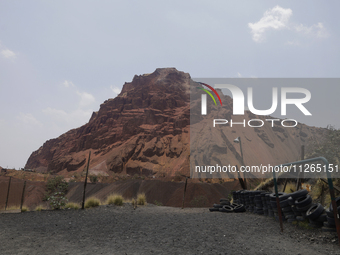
204,97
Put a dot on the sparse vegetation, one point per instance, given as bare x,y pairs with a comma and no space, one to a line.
93,178
57,184
134,203
92,202
305,224
328,148
56,190
230,195
114,199
178,177
40,208
290,187
141,199
199,201
77,177
317,189
57,200
158,203
12,208
71,205
24,208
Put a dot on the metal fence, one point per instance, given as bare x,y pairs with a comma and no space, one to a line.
12,193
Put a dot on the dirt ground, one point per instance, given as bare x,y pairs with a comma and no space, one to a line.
156,230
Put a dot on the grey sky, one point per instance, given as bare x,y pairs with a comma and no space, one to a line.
59,60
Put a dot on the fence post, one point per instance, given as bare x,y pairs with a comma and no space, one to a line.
87,170
284,186
9,185
300,176
240,179
185,189
278,202
22,196
322,202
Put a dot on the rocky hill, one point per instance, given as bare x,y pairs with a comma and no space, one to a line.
145,131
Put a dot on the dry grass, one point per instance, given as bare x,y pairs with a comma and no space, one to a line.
39,208
11,208
24,208
141,199
114,199
71,205
317,189
134,203
92,202
290,187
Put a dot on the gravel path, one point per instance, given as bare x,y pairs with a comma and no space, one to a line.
155,230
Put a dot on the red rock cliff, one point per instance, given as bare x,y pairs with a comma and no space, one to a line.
140,131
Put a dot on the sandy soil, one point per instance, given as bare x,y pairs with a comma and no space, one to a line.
155,230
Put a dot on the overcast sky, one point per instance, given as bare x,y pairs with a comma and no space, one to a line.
59,60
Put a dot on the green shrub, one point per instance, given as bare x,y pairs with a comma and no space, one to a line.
57,200
305,224
93,178
92,202
56,190
141,199
115,199
158,203
57,184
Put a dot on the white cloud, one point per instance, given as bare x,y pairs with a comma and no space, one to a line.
86,99
6,53
61,120
68,84
239,75
29,119
317,30
115,90
276,18
73,118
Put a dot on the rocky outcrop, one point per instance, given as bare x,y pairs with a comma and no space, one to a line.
144,130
